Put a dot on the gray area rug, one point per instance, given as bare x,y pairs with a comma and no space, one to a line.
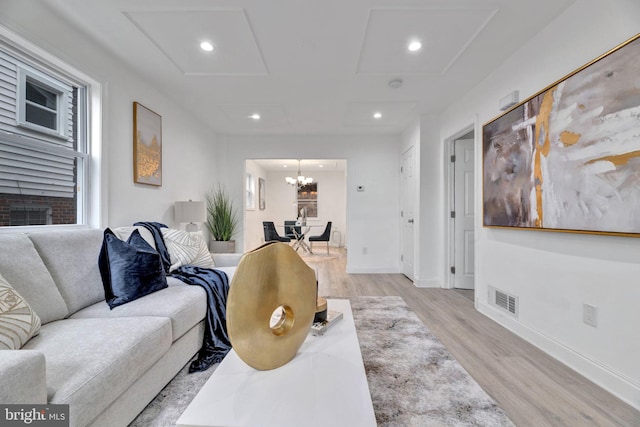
413,379
320,254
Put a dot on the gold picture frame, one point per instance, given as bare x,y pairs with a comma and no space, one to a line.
568,158
147,146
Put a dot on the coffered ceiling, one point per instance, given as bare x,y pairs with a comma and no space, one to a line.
310,66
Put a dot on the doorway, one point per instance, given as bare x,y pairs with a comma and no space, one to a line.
462,210
278,200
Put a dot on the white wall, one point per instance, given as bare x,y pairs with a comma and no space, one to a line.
429,229
432,229
188,146
372,161
188,153
553,274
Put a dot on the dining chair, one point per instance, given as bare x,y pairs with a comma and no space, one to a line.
324,237
271,234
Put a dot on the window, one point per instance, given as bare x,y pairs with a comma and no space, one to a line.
41,106
44,139
250,192
43,102
30,215
308,200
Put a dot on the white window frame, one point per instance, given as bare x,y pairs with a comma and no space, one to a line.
92,179
250,192
28,74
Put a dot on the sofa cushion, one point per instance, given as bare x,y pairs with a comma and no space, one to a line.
23,267
186,248
18,322
130,269
90,362
71,256
185,305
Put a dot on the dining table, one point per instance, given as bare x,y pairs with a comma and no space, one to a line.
302,235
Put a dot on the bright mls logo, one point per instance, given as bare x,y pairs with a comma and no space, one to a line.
34,415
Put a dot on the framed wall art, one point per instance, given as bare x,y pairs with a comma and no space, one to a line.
262,194
568,158
147,146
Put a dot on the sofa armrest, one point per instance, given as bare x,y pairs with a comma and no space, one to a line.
23,377
226,260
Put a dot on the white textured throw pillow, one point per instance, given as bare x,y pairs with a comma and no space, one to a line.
187,248
123,233
18,322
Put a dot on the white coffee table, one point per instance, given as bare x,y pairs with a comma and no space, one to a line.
324,385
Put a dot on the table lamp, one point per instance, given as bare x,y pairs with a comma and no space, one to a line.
190,212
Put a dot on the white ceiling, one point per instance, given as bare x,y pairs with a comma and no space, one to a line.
309,66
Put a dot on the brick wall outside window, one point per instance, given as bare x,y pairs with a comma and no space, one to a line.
63,209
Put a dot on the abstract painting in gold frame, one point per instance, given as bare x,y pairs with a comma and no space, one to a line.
568,158
147,146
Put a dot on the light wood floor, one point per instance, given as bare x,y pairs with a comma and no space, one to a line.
533,388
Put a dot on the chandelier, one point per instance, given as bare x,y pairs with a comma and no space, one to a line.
301,180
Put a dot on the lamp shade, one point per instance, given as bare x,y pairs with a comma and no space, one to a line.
189,211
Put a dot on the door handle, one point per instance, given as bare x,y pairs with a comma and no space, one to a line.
411,221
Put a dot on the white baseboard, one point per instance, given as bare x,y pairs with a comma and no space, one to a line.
617,384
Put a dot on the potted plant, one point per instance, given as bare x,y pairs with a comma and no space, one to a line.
222,221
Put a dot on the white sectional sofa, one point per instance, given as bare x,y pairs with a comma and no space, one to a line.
106,364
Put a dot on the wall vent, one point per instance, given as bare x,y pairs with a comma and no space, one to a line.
503,300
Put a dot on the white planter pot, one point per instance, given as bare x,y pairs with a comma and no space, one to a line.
222,247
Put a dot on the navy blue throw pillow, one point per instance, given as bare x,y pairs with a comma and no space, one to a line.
130,269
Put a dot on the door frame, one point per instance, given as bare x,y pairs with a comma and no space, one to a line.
448,202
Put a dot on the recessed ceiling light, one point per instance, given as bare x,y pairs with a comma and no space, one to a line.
377,115
206,46
255,116
414,46
320,166
395,83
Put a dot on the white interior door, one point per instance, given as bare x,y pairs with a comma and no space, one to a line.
408,203
464,212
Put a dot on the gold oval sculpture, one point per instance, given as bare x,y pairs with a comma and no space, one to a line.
270,279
